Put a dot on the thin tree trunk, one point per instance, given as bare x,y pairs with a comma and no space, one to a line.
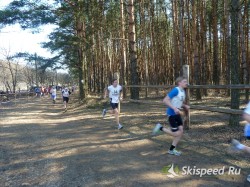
215,43
175,40
80,33
203,45
145,58
228,48
195,48
132,51
235,97
181,36
245,52
152,40
123,48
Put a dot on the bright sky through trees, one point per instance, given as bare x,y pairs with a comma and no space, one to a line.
14,39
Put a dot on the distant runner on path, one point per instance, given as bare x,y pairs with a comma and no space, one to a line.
65,95
53,94
115,94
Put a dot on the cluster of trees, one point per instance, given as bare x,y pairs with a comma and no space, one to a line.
14,75
9,75
146,41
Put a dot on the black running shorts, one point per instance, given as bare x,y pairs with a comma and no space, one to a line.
114,105
175,121
66,99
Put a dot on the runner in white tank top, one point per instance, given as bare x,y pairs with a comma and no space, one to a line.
115,94
65,95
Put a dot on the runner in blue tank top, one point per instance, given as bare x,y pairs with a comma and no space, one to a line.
175,102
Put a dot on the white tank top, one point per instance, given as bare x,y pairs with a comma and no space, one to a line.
114,93
178,100
65,93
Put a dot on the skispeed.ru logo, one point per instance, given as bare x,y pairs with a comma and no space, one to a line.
173,171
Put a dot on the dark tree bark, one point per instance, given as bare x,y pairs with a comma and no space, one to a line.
132,51
235,97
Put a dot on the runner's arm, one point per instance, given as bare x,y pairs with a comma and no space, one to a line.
105,93
167,101
186,107
246,117
121,94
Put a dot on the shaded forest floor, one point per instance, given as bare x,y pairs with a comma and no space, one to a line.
41,145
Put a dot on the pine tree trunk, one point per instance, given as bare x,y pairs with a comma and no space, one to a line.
246,66
228,47
152,39
80,33
132,51
175,40
215,43
81,74
195,46
243,51
123,48
235,97
203,33
145,57
181,34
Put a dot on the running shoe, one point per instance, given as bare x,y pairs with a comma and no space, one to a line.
248,178
120,127
104,112
235,144
174,152
157,128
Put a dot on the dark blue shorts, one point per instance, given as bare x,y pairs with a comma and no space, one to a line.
66,99
175,121
114,105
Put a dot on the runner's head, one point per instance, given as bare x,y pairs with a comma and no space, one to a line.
114,82
182,82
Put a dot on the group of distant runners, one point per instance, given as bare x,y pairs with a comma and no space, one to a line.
52,91
175,102
65,95
42,91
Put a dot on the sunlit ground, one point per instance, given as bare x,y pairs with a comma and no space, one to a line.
41,145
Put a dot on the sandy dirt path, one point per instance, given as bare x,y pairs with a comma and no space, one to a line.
40,145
